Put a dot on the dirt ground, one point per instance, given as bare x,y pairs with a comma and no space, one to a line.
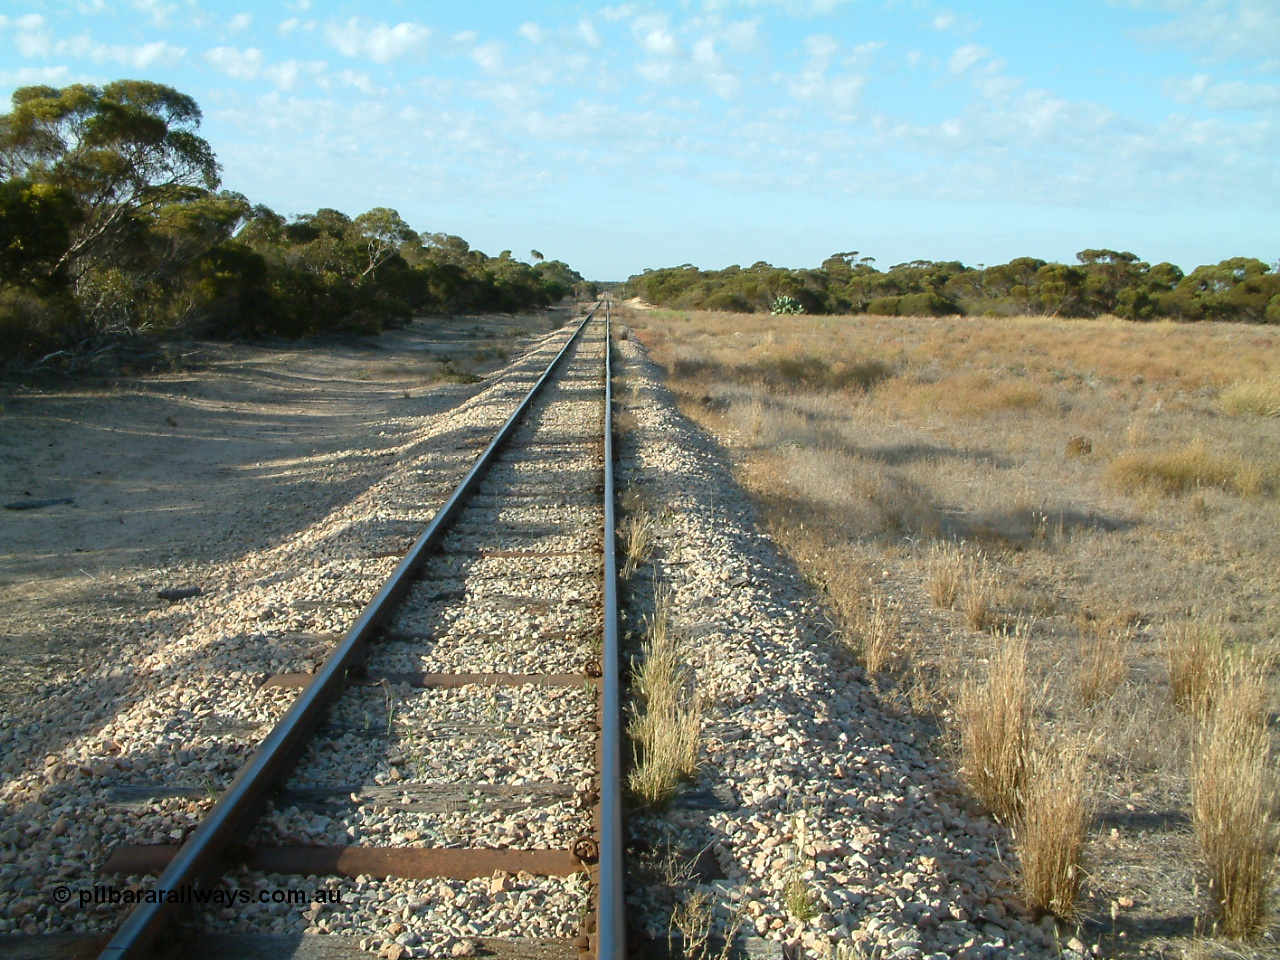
230,450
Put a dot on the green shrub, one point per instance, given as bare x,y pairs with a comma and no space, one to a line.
815,373
729,301
926,305
31,325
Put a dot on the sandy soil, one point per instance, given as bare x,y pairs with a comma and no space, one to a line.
234,449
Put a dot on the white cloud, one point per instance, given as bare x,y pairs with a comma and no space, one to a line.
237,64
1222,28
30,21
966,57
33,76
589,34
34,44
532,32
948,21
358,80
148,54
800,7
992,85
288,27
379,42
815,85
659,42
241,21
864,53
288,74
741,36
488,56
821,49
158,10
140,56
1229,95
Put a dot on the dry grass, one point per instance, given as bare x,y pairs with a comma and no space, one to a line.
624,422
1104,662
1235,792
946,569
879,628
994,714
1252,398
979,593
1056,811
1197,664
637,541
964,395
667,719
1180,469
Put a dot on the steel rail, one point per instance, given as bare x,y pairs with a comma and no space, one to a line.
611,927
205,855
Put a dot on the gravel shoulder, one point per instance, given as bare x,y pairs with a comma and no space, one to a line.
216,476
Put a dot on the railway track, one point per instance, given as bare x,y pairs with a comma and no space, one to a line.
451,772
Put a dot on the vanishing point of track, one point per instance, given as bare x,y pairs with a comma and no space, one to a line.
534,510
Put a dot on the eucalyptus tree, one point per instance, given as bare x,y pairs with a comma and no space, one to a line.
123,151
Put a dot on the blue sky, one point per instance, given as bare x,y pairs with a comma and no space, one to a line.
620,137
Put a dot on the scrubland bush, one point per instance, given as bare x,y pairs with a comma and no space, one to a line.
815,373
31,324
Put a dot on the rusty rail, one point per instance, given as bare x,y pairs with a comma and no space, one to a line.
611,927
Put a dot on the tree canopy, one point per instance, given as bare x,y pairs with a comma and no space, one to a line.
1100,282
111,223
121,151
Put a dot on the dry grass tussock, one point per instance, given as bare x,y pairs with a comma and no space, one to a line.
962,395
879,629
1057,808
1234,801
1180,469
980,594
946,569
637,542
1252,398
995,729
1104,658
1197,664
667,718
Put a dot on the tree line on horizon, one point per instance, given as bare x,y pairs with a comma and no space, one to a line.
1100,283
112,226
